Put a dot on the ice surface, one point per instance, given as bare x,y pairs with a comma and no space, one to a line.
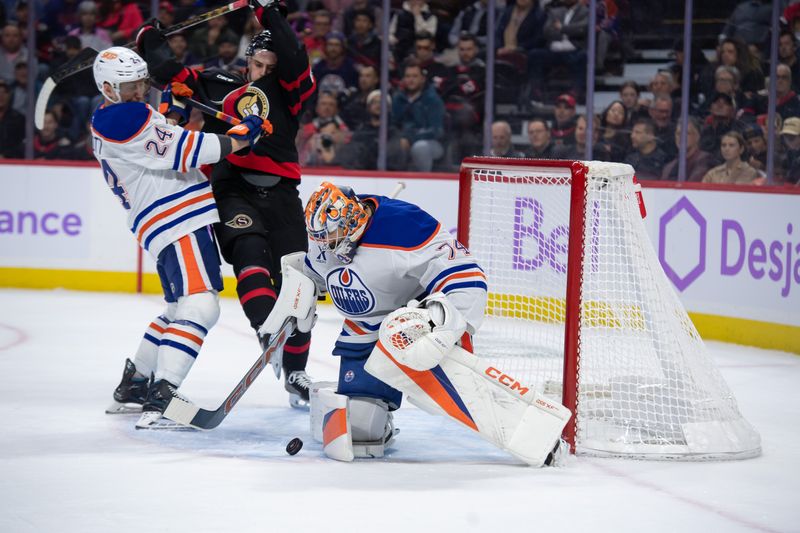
67,467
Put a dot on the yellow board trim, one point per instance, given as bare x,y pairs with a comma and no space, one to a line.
711,327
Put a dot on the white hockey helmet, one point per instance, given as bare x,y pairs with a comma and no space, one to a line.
117,65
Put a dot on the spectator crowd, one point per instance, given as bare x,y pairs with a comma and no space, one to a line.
438,82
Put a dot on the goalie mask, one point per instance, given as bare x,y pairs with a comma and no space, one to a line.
336,220
123,69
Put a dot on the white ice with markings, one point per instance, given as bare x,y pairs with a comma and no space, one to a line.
67,467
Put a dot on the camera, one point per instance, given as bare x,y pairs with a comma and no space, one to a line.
326,140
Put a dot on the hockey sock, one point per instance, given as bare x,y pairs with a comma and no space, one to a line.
256,294
295,353
146,356
180,345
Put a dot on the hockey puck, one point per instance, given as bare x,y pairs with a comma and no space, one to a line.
294,446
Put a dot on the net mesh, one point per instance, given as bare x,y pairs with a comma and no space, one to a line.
646,385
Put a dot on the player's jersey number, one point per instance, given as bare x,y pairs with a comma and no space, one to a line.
114,184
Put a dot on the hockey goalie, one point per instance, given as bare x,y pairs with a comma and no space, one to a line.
411,296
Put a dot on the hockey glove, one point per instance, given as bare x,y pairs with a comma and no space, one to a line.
169,104
260,5
248,130
152,25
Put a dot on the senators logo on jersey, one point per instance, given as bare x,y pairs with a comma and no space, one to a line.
349,293
252,102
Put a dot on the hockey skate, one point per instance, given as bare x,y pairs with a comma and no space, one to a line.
158,396
297,384
130,394
558,457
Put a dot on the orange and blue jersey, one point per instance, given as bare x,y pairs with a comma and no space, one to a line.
153,169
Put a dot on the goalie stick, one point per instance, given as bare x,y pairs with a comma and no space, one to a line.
187,413
85,58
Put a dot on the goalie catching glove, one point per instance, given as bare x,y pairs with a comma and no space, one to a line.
420,335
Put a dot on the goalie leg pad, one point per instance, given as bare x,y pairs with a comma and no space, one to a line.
481,397
349,427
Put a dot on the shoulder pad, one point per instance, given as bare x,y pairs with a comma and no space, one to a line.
121,122
398,225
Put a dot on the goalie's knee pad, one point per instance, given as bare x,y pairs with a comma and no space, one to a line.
201,308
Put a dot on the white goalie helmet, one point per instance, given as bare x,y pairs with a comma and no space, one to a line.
117,65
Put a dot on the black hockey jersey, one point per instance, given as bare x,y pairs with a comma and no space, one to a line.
278,96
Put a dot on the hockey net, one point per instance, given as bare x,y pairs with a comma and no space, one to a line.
581,310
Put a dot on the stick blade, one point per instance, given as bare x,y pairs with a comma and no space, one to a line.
41,102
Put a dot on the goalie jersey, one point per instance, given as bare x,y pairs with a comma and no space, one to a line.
152,168
404,254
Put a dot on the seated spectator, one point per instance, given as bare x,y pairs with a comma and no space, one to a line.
698,162
88,32
520,28
660,112
361,153
614,142
756,146
348,19
472,20
321,26
789,55
424,49
227,58
726,80
647,159
204,43
697,67
629,94
749,22
790,135
325,144
12,51
12,124
363,44
565,36
563,130
414,17
501,141
577,151
335,72
50,142
180,47
354,109
418,112
663,83
734,53
542,147
121,18
166,13
788,103
309,136
463,93
19,88
721,120
734,170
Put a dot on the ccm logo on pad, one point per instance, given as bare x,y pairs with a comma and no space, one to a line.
506,380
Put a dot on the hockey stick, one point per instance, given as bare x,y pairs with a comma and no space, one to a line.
85,58
186,413
398,189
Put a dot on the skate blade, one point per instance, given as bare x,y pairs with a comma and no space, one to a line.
118,408
297,402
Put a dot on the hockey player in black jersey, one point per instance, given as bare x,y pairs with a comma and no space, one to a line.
257,190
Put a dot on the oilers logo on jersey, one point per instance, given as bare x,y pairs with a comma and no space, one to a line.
252,102
349,293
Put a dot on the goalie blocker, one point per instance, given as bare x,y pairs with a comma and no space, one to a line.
414,357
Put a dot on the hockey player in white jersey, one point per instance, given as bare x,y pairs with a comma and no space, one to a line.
151,165
411,296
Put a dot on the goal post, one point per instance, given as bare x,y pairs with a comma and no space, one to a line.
580,309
